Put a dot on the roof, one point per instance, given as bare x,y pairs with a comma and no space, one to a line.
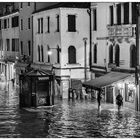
105,80
66,5
37,73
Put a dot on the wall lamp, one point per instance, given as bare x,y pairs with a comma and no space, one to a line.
50,52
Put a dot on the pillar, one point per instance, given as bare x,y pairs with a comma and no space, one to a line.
115,14
122,13
130,13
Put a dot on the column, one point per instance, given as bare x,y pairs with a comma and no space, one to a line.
122,13
115,14
130,13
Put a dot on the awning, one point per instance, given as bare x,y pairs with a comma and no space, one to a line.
105,80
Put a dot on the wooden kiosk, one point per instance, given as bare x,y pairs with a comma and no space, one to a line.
36,88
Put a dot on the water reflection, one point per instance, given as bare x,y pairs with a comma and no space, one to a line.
65,119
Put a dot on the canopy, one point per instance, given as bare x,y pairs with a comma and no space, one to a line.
105,80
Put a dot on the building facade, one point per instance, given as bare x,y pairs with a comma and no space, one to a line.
9,25
59,43
114,45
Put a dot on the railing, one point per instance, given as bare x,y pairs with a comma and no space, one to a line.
9,55
128,30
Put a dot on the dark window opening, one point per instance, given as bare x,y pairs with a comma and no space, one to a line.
48,24
126,13
119,14
94,19
0,24
111,15
21,47
71,23
117,55
111,54
5,23
57,23
38,25
29,48
15,21
21,5
15,45
28,3
58,55
29,25
95,53
134,13
8,44
39,53
132,56
41,25
42,53
71,55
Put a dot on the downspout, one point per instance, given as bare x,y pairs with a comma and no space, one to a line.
90,39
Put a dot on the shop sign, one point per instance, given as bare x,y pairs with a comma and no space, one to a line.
43,78
111,65
120,31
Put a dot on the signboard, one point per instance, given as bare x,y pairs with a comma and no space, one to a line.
119,30
111,65
43,78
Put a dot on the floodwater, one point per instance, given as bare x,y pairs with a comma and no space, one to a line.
73,119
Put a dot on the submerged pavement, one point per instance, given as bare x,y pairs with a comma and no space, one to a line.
74,119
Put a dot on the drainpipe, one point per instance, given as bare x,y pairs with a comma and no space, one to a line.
90,39
137,59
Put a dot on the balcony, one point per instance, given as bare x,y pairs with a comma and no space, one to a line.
128,30
9,55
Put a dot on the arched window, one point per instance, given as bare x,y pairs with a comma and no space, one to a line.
38,53
110,54
132,56
71,55
95,53
42,53
117,55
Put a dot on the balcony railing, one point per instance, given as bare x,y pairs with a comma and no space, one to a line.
128,30
8,55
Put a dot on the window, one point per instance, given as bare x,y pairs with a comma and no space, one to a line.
42,53
119,14
94,20
8,23
71,23
111,54
38,25
111,15
15,22
28,3
29,27
8,44
58,54
21,47
126,13
134,13
117,55
48,48
29,48
0,24
57,23
132,56
48,24
71,55
21,24
5,23
41,25
39,53
1,45
21,5
15,44
95,54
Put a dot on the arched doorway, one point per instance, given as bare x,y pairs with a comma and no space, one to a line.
110,54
